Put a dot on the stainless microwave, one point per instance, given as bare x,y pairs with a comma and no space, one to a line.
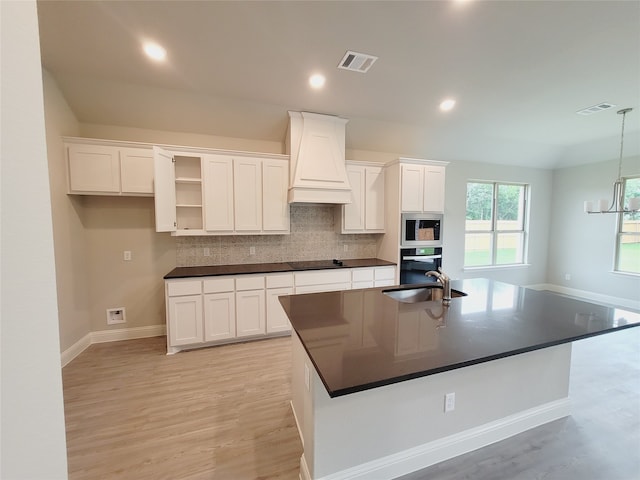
421,230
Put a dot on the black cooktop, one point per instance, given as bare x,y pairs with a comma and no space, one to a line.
316,264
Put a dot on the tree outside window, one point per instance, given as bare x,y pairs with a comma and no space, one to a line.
628,237
495,224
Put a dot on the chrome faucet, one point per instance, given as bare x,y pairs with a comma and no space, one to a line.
445,281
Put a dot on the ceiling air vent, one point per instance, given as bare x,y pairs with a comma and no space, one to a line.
595,108
357,62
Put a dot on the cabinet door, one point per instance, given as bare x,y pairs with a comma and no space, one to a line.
374,198
219,316
353,214
93,168
433,189
412,188
185,320
247,187
250,313
136,170
275,207
277,320
165,190
218,192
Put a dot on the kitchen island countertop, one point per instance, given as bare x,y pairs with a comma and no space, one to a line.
362,339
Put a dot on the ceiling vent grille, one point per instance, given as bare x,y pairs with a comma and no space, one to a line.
595,108
357,62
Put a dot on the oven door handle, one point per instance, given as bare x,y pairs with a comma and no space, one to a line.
421,258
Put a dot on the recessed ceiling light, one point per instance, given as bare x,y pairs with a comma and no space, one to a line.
155,51
317,80
447,104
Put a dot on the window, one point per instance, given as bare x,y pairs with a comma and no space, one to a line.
628,238
495,224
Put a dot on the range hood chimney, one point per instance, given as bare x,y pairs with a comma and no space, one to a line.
315,144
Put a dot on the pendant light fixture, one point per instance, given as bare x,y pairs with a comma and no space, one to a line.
617,203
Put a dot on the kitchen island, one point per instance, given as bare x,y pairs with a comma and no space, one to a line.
371,373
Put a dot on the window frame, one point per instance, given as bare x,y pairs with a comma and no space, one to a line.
620,233
495,232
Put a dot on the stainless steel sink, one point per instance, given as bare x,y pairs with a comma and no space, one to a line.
420,294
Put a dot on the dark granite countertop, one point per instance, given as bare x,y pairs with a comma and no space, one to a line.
241,269
362,339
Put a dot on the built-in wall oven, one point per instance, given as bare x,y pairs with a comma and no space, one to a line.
416,262
421,230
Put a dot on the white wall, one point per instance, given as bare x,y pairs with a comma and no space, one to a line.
583,245
33,442
540,181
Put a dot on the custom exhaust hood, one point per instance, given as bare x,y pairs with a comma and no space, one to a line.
316,145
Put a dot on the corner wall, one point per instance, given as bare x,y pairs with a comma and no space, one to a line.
583,245
67,213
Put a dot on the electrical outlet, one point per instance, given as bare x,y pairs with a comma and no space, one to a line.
567,276
206,251
127,255
252,250
449,402
346,247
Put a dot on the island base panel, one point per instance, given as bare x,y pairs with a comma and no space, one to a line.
393,430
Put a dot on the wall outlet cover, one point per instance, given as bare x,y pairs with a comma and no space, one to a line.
116,315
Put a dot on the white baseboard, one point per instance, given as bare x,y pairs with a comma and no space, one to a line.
76,349
102,336
422,456
295,417
588,296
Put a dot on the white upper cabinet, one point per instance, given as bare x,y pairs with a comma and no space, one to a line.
165,198
433,189
218,188
247,194
422,188
365,213
220,193
374,199
93,168
136,170
275,207
99,168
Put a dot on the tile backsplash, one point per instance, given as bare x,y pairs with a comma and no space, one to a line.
314,236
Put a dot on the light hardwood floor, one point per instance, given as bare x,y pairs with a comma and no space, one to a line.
133,412
223,413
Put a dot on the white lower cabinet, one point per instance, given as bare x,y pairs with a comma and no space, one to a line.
222,309
250,313
278,284
185,320
219,316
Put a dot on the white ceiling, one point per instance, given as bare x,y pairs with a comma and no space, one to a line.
519,71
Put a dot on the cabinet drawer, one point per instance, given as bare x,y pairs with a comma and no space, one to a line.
249,282
280,280
362,274
333,287
322,277
188,287
218,285
385,273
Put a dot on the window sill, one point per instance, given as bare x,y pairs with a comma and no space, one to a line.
496,267
625,274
